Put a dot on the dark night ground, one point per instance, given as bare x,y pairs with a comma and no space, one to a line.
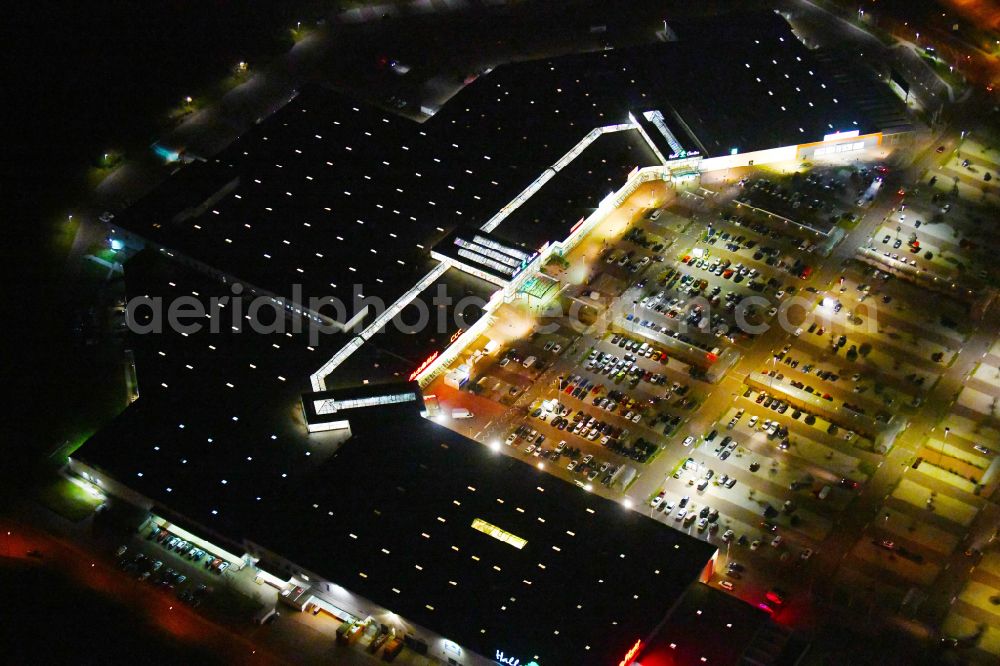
48,619
82,78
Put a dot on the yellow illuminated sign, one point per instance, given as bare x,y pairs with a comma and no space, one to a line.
481,525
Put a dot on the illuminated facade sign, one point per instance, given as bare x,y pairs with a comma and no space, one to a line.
631,654
481,525
423,366
841,135
502,658
454,336
684,153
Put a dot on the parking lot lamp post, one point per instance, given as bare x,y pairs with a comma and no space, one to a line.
947,431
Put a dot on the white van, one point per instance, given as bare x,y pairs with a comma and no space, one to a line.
530,361
824,492
461,414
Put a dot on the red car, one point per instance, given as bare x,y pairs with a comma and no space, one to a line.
775,596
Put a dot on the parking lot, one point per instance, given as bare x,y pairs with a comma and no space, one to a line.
174,564
622,405
619,414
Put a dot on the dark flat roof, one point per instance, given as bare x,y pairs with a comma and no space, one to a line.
396,351
708,626
212,407
329,192
240,389
577,190
236,460
390,517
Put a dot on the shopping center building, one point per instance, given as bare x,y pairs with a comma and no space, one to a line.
312,460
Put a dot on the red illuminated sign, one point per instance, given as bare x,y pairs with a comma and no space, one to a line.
423,366
631,654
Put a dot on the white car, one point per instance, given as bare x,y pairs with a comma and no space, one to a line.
587,458
806,554
656,501
511,438
689,440
753,421
776,541
571,465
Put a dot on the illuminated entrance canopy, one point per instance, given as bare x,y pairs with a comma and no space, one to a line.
499,534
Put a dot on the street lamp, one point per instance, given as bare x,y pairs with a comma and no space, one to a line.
947,431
